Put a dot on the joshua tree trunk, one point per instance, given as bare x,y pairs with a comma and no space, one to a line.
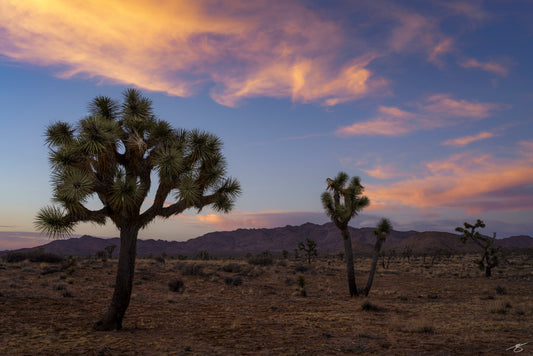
112,320
349,262
377,249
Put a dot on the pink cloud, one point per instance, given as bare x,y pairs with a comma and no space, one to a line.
463,141
444,104
384,172
474,183
434,112
491,66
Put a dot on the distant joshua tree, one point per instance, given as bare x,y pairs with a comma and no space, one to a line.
489,260
109,249
342,203
310,249
112,155
382,230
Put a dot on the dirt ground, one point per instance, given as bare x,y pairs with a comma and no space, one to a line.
449,308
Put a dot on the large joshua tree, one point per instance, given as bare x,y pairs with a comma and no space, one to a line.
341,204
111,155
381,231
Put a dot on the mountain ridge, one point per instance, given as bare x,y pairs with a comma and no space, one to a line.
242,241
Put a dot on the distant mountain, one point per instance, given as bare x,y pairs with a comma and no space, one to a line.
242,241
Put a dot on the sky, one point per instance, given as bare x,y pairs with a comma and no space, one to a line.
428,102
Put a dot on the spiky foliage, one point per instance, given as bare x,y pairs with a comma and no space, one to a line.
489,259
110,155
342,202
309,247
383,229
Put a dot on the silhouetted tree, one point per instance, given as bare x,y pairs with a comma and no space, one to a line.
381,231
489,259
310,249
342,203
112,155
109,249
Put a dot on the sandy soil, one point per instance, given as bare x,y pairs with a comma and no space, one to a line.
415,309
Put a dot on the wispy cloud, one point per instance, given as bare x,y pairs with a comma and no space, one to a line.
463,141
446,105
385,172
241,49
436,111
467,181
499,68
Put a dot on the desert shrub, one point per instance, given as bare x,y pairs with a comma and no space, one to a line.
300,268
425,329
204,256
289,281
192,269
13,257
233,281
232,268
176,285
368,306
101,255
263,259
501,308
45,257
501,290
67,294
60,287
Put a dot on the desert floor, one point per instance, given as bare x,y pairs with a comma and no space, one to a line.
449,308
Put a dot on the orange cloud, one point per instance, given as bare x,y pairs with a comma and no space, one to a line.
247,49
435,112
463,141
491,66
264,219
473,183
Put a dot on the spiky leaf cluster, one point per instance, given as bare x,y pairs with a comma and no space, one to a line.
383,229
342,201
111,154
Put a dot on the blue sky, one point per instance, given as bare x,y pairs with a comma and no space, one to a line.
429,102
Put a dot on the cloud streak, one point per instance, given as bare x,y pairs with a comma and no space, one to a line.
463,141
241,49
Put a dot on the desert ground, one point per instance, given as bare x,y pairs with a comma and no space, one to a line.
231,307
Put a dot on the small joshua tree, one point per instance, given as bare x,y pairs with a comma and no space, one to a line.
341,204
310,249
109,249
116,155
382,230
489,260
